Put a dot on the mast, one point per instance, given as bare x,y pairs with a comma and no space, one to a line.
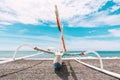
59,27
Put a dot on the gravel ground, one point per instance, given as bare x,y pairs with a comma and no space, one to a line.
43,70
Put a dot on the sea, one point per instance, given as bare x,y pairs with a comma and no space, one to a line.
103,54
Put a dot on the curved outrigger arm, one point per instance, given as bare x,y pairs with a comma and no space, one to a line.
29,45
101,69
19,58
98,56
113,74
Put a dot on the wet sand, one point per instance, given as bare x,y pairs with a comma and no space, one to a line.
43,70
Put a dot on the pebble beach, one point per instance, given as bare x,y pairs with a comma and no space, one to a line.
44,70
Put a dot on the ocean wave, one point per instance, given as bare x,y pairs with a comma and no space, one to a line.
88,57
5,59
91,57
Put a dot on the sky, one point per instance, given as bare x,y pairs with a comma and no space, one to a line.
87,25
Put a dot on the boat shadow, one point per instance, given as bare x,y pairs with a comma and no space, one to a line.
66,74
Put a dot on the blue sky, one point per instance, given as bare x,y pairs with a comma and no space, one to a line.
87,25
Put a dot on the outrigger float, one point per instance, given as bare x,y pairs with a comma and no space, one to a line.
57,61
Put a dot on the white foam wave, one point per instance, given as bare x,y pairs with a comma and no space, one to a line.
88,57
91,57
1,59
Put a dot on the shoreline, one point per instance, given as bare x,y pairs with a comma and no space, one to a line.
64,58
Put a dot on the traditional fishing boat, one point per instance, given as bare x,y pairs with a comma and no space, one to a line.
60,53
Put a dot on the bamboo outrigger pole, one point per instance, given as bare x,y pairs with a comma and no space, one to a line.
59,27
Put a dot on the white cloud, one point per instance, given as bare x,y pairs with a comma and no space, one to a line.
106,20
2,28
111,20
97,37
79,7
114,8
117,1
15,40
115,32
72,11
86,44
31,11
72,43
38,11
27,37
7,17
23,31
25,11
97,20
5,23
